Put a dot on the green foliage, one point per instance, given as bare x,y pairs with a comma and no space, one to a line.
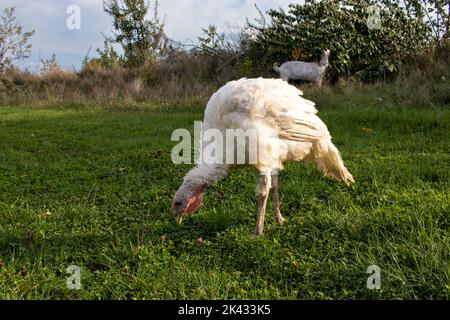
212,40
142,40
13,40
342,26
49,65
246,68
108,56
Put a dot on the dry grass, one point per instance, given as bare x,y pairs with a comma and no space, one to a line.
189,80
165,83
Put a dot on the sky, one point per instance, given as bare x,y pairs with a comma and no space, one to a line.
184,22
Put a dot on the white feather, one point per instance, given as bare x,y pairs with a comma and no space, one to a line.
268,106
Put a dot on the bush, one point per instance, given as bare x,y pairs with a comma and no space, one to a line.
342,26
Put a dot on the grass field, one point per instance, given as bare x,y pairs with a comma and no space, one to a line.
93,188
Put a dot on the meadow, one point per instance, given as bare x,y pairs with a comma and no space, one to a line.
92,187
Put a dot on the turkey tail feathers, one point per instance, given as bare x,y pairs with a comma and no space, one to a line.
329,161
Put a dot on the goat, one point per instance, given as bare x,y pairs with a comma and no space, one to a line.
300,70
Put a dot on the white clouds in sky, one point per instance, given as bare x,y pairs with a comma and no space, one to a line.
184,22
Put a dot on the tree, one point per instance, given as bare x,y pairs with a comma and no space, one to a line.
434,13
342,26
141,39
13,40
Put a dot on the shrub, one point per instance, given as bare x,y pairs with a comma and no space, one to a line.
342,26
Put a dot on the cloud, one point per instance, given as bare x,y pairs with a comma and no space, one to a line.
184,22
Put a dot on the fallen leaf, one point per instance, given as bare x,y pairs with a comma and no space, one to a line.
121,170
157,153
294,265
45,214
367,130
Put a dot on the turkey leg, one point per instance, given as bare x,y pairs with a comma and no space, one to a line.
262,191
276,199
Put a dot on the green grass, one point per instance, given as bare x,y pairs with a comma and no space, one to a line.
64,201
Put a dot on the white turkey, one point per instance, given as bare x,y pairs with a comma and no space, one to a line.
267,106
